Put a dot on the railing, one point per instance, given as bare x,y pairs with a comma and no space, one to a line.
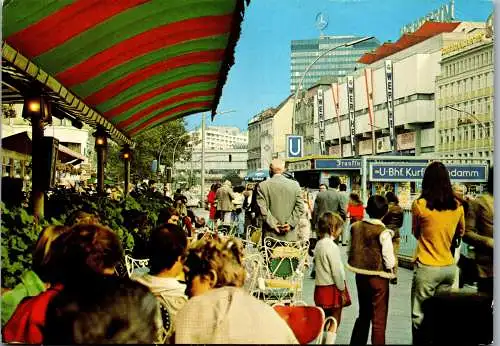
408,243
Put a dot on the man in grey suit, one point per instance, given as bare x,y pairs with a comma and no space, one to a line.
330,200
280,203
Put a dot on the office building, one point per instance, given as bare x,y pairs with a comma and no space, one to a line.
338,63
464,98
411,65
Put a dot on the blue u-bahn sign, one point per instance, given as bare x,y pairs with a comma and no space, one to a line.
294,146
404,172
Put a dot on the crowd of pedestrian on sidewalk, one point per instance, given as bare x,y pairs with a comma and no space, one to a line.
193,291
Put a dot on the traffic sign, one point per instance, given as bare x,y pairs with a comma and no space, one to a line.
395,172
294,146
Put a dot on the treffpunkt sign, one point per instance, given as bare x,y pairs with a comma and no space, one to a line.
394,172
337,164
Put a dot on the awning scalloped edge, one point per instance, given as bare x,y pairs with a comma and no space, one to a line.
85,113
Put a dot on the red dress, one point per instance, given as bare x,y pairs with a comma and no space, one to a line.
211,202
330,297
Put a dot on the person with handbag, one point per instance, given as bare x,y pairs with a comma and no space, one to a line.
330,292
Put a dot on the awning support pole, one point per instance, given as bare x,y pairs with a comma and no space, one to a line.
127,178
37,190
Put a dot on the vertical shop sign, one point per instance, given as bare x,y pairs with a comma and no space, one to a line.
352,115
321,122
389,87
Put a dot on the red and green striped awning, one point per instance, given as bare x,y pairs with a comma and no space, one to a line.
138,63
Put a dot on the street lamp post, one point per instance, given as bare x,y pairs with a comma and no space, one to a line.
348,44
472,115
173,153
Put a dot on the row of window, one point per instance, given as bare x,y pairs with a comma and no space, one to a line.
465,85
485,154
469,63
301,65
465,133
481,105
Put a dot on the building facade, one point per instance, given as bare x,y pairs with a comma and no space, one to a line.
218,163
354,116
338,63
464,98
222,138
259,139
267,135
69,136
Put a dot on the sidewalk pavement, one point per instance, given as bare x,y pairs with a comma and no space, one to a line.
399,321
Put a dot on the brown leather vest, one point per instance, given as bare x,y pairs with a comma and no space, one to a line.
365,254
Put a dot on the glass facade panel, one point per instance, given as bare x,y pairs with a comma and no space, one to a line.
337,63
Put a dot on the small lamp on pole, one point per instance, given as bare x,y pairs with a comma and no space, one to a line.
126,156
101,144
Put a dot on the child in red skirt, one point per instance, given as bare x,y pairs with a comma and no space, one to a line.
331,292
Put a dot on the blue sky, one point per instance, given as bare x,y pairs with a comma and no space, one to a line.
260,77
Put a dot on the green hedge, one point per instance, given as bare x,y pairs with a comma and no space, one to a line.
132,219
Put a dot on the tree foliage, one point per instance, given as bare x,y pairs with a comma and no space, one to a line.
149,144
169,136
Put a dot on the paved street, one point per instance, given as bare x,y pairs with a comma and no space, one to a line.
399,321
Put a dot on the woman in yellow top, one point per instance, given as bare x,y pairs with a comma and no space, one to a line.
437,217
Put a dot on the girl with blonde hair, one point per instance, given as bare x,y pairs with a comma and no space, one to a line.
330,292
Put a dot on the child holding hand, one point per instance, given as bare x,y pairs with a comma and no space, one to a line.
331,292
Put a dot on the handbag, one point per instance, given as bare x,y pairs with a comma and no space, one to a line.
346,297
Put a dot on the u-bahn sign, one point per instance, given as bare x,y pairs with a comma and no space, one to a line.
294,146
396,172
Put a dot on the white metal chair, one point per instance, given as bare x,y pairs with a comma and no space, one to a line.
136,265
253,234
254,265
284,264
330,336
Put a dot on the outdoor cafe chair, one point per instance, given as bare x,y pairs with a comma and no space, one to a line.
136,265
284,264
306,322
253,234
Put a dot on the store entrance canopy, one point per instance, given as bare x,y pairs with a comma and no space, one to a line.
21,143
126,66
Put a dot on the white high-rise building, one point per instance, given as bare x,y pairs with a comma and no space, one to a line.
222,138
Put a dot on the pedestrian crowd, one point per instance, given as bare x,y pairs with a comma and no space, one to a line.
193,291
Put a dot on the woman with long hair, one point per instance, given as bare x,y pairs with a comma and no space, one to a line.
437,217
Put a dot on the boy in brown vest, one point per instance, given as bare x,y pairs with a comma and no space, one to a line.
372,258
